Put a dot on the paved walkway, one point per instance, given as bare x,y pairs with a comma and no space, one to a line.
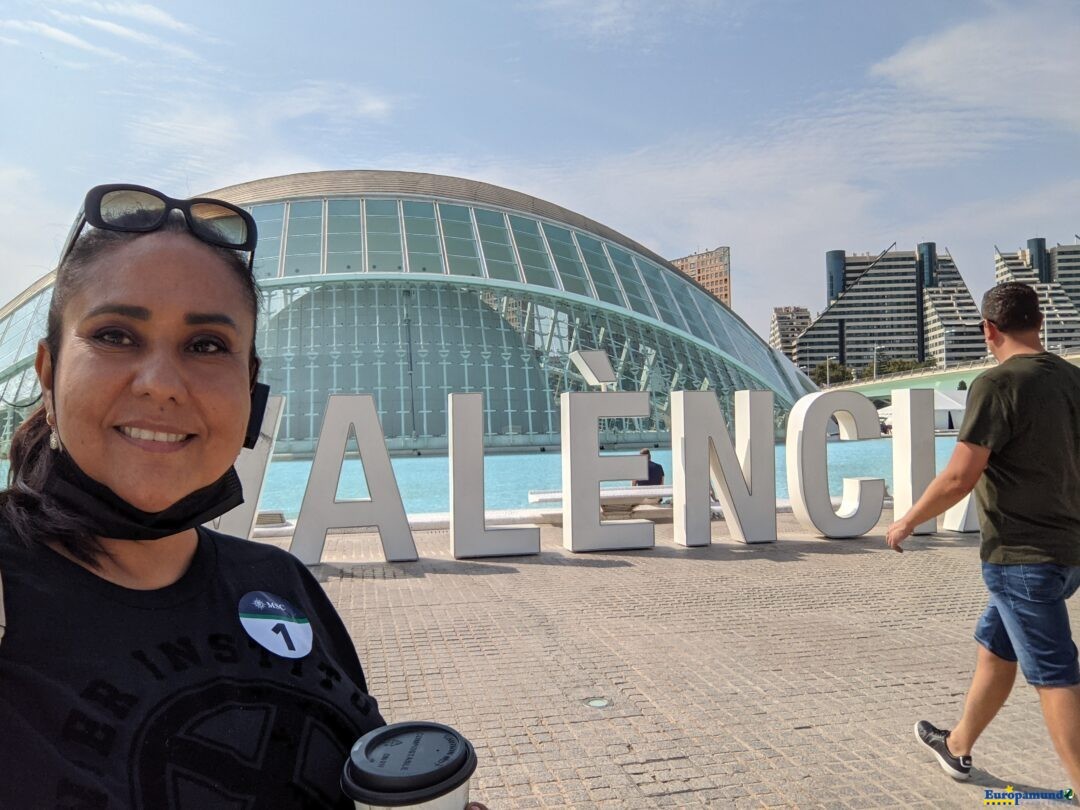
787,674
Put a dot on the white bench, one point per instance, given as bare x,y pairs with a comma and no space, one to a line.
621,502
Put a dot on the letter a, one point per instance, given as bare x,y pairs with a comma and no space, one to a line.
321,511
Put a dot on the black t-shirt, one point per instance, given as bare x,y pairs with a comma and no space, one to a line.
656,476
117,698
1026,411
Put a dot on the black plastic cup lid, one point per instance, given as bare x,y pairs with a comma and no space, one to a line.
407,763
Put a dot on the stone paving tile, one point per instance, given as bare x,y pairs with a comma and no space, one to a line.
778,675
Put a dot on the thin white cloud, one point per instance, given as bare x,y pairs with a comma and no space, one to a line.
194,144
8,41
129,34
143,12
59,35
644,22
1017,61
328,98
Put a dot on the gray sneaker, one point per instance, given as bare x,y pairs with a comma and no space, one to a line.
936,740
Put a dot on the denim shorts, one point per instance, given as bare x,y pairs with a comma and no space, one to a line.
1027,620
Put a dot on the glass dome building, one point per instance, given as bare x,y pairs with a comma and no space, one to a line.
410,287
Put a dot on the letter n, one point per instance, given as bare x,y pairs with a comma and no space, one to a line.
743,477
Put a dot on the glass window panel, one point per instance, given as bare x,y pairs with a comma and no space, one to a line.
684,298
383,208
307,209
457,230
384,242
28,388
268,222
464,266
665,302
603,277
534,258
462,254
25,327
454,213
302,265
271,212
344,243
344,237
631,281
344,262
344,209
384,236
566,260
304,226
413,209
343,224
300,244
303,238
461,247
714,320
421,243
495,242
421,237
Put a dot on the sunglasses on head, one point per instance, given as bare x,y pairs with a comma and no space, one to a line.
137,209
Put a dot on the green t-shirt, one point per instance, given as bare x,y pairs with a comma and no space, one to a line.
1027,412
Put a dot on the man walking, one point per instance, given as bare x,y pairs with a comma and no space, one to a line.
1019,449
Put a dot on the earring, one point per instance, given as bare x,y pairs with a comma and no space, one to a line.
54,437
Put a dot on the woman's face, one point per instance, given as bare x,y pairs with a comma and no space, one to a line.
151,392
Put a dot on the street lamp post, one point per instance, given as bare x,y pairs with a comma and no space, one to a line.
875,361
828,364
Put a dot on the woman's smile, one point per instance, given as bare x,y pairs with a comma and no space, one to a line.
156,440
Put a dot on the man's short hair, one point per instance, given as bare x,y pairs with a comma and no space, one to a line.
645,452
1012,307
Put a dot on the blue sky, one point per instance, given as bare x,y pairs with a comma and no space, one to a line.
781,128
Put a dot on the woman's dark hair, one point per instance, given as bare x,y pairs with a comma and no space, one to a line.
25,506
1012,307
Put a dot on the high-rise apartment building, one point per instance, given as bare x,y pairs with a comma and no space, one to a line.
711,269
910,305
787,324
1055,275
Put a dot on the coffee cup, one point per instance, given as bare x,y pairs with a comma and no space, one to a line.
413,764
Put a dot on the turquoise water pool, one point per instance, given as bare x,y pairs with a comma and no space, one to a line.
508,478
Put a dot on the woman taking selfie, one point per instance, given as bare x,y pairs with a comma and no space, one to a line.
147,661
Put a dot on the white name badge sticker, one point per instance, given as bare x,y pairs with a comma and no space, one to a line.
275,624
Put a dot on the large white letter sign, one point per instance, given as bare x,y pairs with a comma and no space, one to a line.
913,462
469,535
583,468
962,517
808,464
322,511
744,479
252,467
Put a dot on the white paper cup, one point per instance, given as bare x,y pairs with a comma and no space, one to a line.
414,765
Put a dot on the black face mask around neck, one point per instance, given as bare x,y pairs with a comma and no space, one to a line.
111,516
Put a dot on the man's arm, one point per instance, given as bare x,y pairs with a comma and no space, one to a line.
955,481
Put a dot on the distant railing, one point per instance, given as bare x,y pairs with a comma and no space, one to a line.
1072,352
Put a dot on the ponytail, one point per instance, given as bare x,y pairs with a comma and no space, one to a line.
25,507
